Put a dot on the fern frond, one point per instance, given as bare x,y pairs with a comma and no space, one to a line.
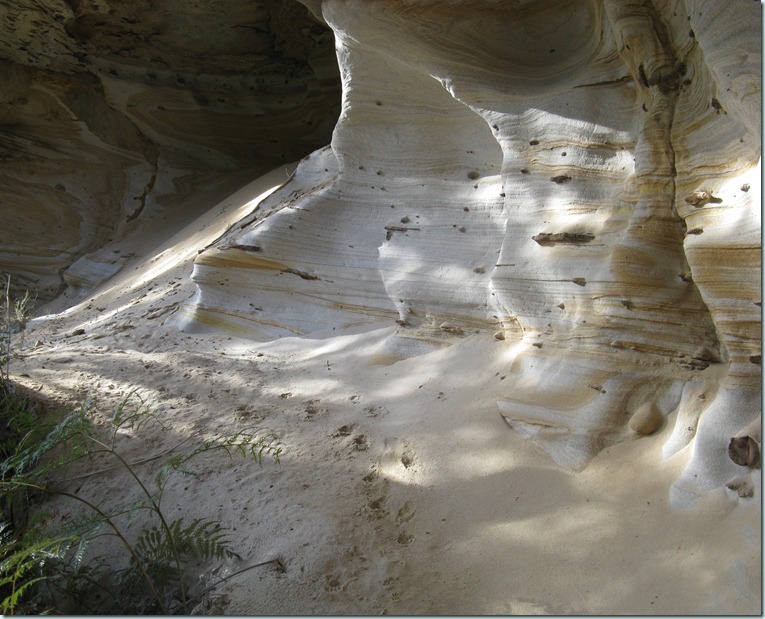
68,434
171,467
134,418
9,604
79,552
21,558
201,539
245,443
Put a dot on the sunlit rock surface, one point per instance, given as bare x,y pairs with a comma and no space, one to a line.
578,179
115,114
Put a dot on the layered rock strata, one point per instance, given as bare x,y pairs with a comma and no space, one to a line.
118,117
579,179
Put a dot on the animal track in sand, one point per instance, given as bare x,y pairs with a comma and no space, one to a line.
398,454
377,504
312,408
358,443
247,413
339,571
344,430
405,513
376,411
335,582
375,540
389,582
407,457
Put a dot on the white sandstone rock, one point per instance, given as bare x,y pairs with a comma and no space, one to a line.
521,170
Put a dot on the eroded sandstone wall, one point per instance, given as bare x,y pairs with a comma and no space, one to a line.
117,117
580,179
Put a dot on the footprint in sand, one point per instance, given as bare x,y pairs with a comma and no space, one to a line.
344,430
407,457
376,411
312,409
377,504
336,575
405,513
335,582
360,443
398,454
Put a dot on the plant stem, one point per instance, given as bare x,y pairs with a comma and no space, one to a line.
6,352
116,530
230,576
134,463
154,506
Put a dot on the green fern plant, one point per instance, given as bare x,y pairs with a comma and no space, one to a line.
159,556
202,539
21,567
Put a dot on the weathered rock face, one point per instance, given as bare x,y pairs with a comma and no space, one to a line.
115,113
580,179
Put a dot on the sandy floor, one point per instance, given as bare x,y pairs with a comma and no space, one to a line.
401,490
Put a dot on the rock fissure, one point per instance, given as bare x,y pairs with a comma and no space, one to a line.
142,198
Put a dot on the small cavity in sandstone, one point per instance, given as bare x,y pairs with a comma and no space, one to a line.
570,238
717,105
562,178
744,451
692,364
